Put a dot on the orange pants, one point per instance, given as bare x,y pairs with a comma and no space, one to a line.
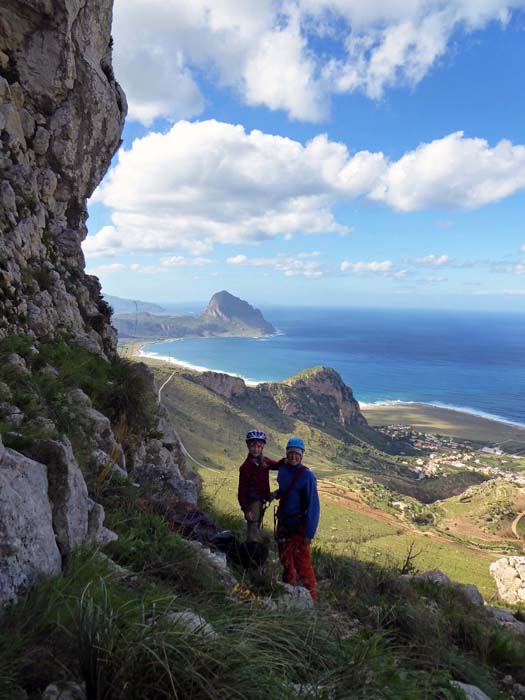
295,558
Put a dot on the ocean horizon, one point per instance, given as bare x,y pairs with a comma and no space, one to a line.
462,360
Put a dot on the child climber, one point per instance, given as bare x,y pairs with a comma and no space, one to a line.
254,484
297,516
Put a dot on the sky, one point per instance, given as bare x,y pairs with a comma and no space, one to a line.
317,152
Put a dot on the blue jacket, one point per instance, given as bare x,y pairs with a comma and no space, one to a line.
302,504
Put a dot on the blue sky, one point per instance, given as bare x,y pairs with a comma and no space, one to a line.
317,152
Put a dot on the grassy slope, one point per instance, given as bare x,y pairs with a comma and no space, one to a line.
212,430
372,634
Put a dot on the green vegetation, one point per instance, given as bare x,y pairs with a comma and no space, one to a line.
366,526
371,635
119,389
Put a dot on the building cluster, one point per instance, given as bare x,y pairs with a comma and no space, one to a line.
444,452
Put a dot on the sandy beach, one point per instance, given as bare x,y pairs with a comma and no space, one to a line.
448,421
419,416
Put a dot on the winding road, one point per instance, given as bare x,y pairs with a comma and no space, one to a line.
514,525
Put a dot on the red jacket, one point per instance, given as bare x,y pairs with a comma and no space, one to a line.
254,481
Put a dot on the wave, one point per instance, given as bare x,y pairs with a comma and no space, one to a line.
364,404
439,404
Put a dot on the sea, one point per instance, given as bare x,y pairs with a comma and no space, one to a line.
471,361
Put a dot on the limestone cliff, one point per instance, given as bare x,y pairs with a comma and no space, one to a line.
71,412
312,385
61,117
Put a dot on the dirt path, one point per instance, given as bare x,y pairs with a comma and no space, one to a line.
168,380
184,450
351,500
514,525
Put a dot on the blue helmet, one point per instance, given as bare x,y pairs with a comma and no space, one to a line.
295,442
256,435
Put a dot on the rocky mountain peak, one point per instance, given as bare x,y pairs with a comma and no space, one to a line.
224,306
326,382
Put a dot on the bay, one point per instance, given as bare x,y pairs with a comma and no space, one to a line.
468,360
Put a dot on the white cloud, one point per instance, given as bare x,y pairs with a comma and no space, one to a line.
265,50
522,248
101,270
502,292
431,260
211,182
237,260
432,279
363,268
517,268
180,261
164,266
454,172
296,265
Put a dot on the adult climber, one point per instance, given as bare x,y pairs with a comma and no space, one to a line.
297,516
254,484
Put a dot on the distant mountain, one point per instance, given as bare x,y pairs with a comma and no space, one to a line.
123,306
225,314
226,308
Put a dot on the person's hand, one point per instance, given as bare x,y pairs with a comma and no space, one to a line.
273,495
248,514
307,540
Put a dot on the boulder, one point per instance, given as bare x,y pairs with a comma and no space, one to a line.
97,534
64,690
506,619
469,590
472,692
294,597
28,548
217,561
67,492
509,574
160,469
193,623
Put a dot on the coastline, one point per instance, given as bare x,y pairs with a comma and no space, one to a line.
395,403
170,360
460,421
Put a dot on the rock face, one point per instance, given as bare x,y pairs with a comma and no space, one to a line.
317,395
509,574
159,465
28,548
61,116
68,492
222,384
227,308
